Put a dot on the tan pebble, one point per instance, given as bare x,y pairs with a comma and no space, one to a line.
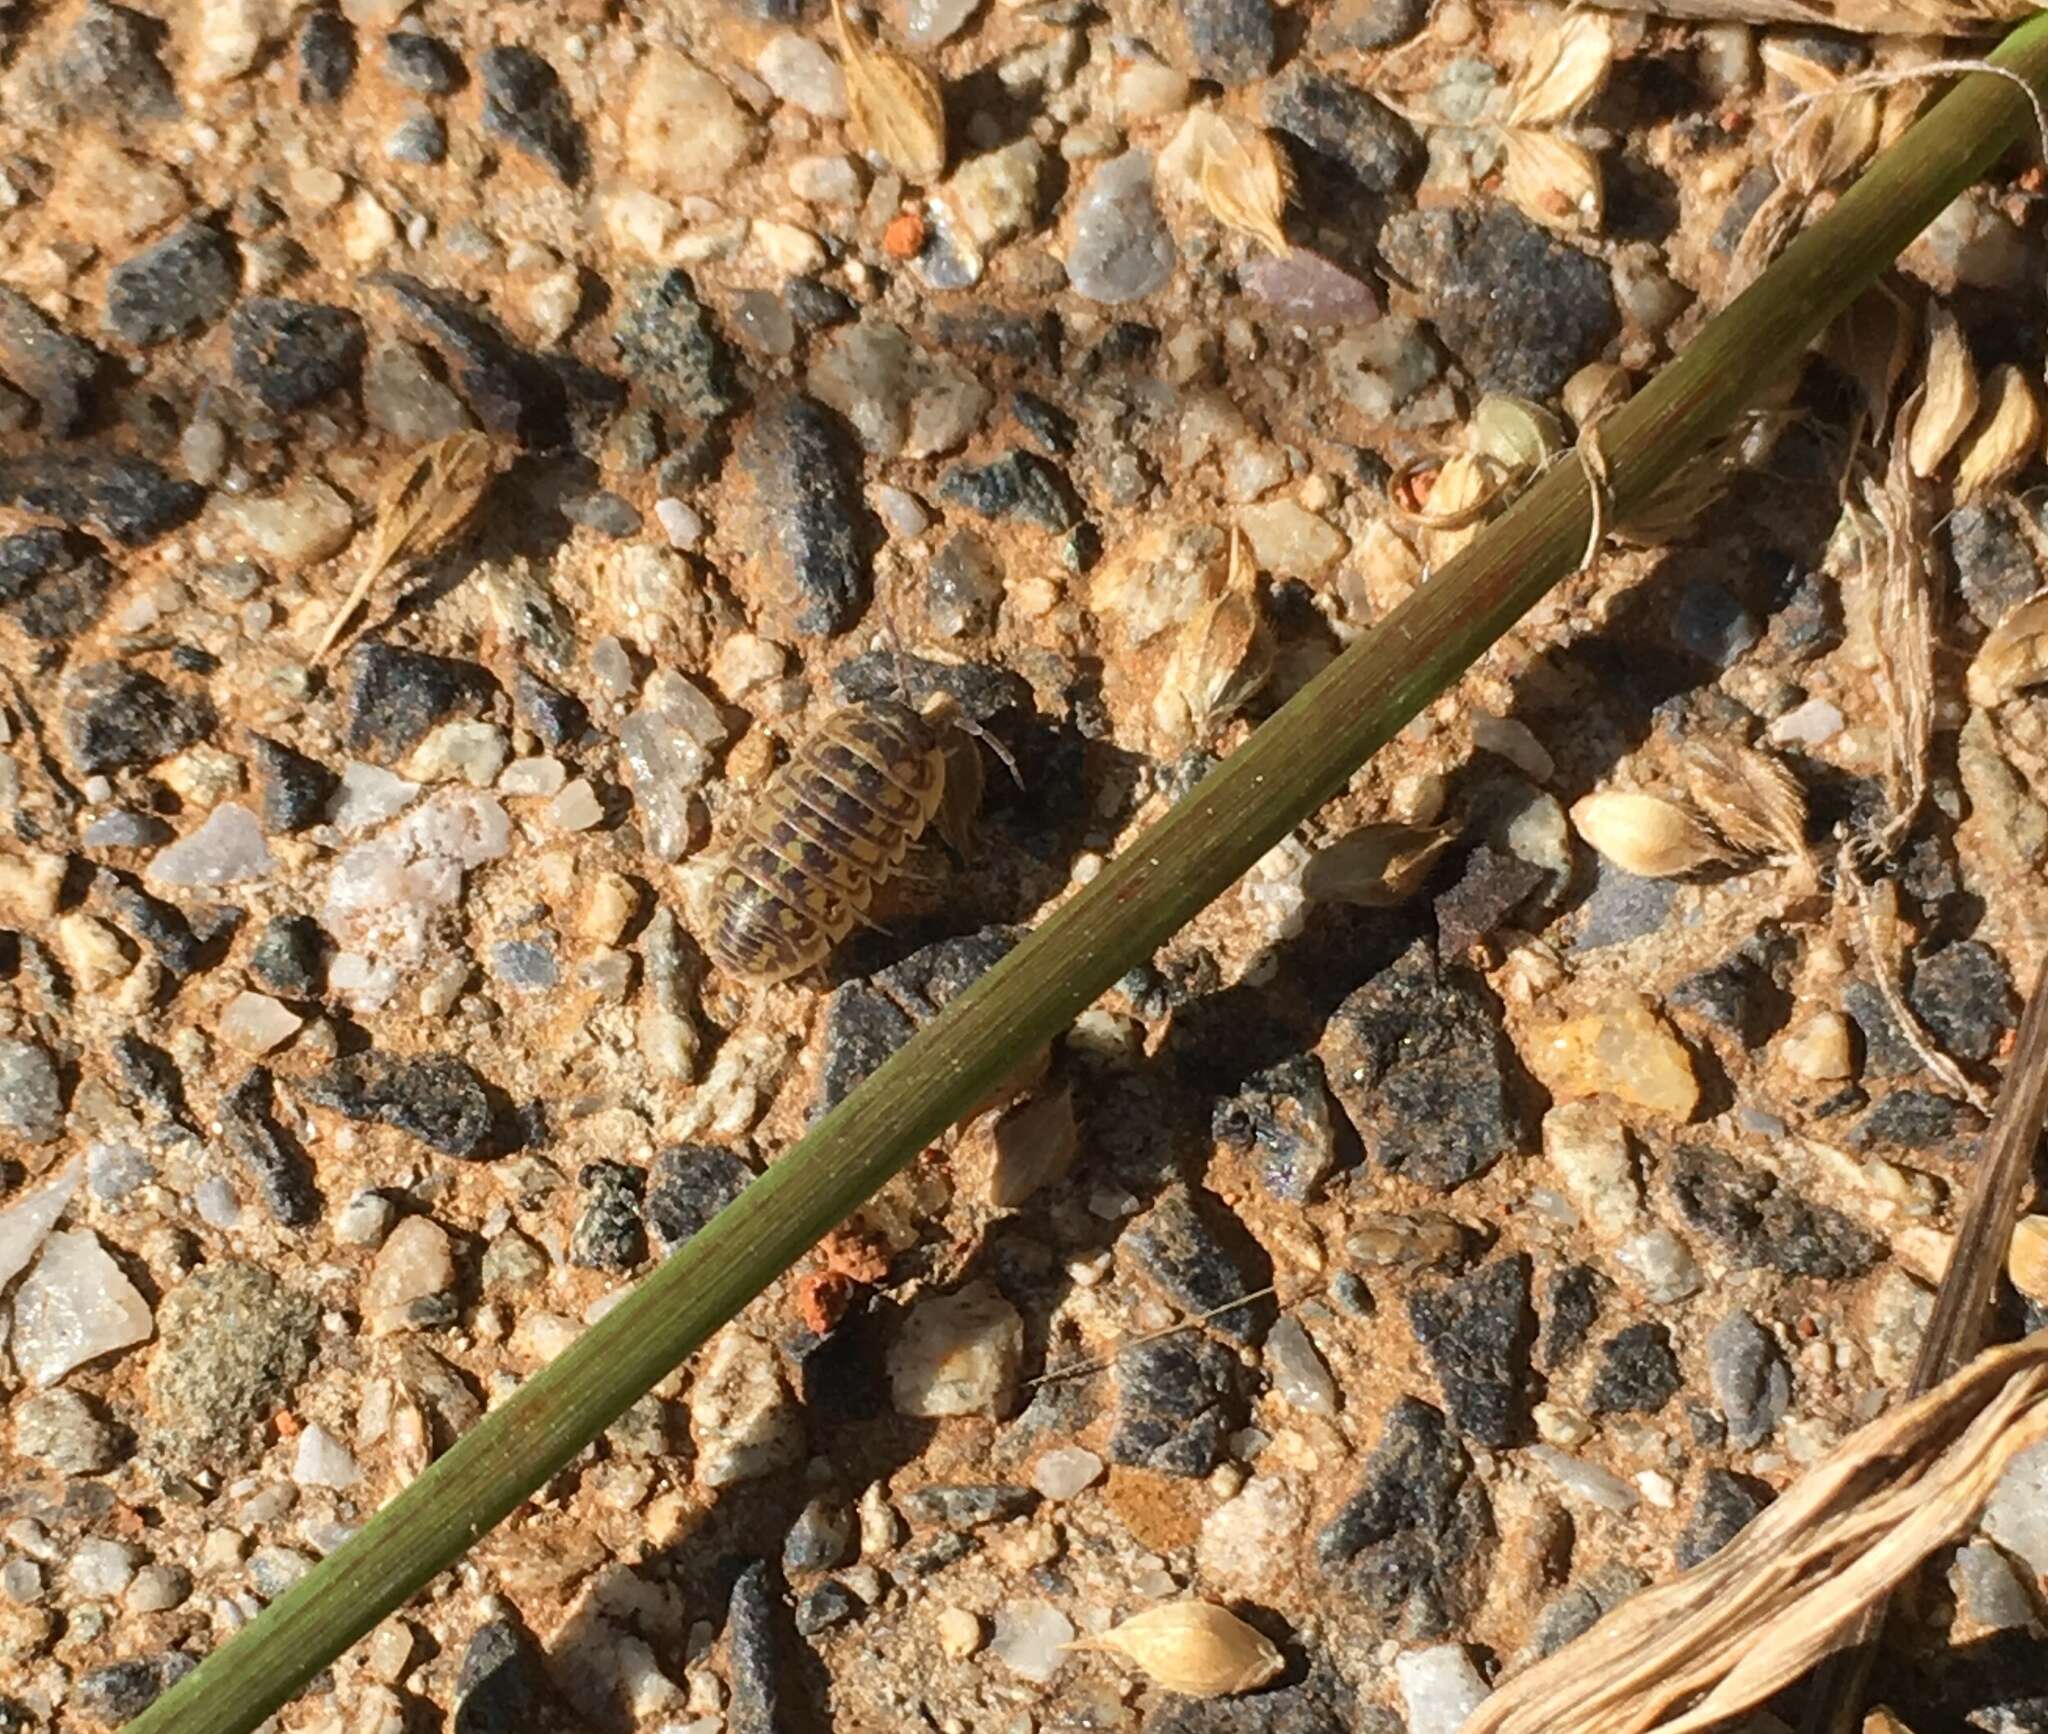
29,885
2027,1262
1034,598
607,909
576,808
959,1633
318,189
1820,1048
369,231
1624,1050
93,952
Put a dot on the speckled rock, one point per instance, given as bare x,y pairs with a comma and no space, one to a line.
666,340
1725,1503
1476,1332
1231,41
294,353
395,695
1412,1544
1200,1256
116,715
128,498
1121,249
1560,317
1178,1400
55,368
1345,123
53,583
525,104
1756,1219
687,1186
436,1098
180,284
1418,1059
232,1343
801,503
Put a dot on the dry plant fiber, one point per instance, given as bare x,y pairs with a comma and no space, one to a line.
1687,1655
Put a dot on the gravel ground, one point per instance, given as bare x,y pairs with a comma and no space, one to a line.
1416,1262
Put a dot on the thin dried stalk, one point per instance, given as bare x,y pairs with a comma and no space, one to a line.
1864,17
1752,800
1900,511
1962,1313
1877,914
1684,1656
897,106
426,502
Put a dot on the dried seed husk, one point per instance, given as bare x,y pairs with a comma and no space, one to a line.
1219,661
1645,834
426,501
1599,388
1564,72
1749,797
1520,436
1375,866
1830,141
2013,656
1194,1648
2026,1261
2007,436
1949,395
1236,170
897,107
1465,487
1873,344
1805,73
1553,181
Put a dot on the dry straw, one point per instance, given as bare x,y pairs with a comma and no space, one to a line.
1684,1656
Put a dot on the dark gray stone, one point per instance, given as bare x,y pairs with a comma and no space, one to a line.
1750,1378
416,61
1283,1118
525,104
420,140
1964,996
609,1233
436,1098
1560,315
1636,1374
56,369
1179,1399
1914,1120
968,1505
1759,1221
130,499
272,1157
1571,1302
666,340
557,717
123,1690
395,696
293,790
53,583
1492,887
1710,622
830,1604
1412,1544
1418,1059
687,1186
1621,907
821,1538
180,285
526,965
1201,1271
1886,1052
502,1686
1320,1704
801,507
753,1655
286,958
327,57
1739,994
110,66
1019,486
1363,25
115,715
983,691
603,511
1347,124
1993,565
867,1021
1476,1331
291,354
1231,41
1575,1610
1725,1505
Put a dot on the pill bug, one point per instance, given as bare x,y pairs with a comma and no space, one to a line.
834,824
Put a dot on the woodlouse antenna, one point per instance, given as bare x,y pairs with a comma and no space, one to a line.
967,725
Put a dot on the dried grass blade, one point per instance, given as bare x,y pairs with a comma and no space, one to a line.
1686,1655
1905,635
1863,17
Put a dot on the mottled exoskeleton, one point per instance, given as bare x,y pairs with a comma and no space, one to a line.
833,824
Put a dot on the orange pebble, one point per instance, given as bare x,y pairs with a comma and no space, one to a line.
904,237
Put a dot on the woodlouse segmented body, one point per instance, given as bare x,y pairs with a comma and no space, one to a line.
831,826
